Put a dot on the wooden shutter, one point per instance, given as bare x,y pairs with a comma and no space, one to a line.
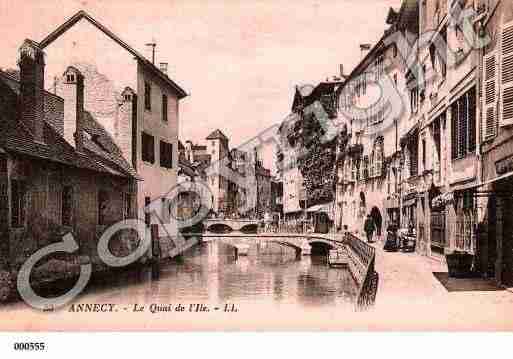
489,114
463,125
471,106
507,75
454,130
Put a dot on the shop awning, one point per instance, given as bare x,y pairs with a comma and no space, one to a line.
318,208
493,180
443,199
325,208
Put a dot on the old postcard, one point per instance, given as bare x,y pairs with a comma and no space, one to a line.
256,165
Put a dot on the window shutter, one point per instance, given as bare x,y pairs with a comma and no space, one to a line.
454,130
490,96
507,75
471,101
463,126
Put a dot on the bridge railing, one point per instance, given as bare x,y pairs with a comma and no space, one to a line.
361,264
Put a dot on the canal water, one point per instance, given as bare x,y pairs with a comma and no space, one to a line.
211,272
270,288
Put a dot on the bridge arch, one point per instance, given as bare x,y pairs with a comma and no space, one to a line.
219,228
320,246
251,228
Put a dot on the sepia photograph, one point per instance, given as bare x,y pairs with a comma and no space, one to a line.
258,165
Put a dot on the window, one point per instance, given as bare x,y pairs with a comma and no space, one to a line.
506,77
70,78
394,50
465,220
164,108
395,79
389,184
147,96
127,205
490,96
414,156
424,154
414,99
18,203
103,198
463,125
377,158
67,205
166,154
380,67
147,217
148,148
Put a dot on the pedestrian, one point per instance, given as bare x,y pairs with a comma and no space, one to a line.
369,227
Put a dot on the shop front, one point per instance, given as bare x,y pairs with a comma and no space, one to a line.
495,231
321,218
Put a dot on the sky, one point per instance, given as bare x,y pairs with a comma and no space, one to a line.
239,61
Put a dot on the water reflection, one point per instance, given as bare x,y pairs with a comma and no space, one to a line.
211,272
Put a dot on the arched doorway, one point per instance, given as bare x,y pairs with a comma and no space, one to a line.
378,220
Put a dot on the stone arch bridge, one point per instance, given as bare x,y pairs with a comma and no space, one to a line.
302,244
217,225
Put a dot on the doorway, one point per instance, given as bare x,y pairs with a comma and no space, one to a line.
378,220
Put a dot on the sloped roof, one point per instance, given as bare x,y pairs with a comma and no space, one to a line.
84,15
103,145
12,79
216,135
17,138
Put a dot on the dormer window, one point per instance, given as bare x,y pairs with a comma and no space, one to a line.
70,77
128,97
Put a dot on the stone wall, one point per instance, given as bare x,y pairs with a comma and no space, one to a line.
43,224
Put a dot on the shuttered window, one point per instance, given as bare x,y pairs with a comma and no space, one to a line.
507,74
463,125
414,156
454,130
471,120
490,96
147,96
166,154
148,148
164,108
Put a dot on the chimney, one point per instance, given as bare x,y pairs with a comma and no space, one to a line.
72,91
32,74
163,67
126,117
341,70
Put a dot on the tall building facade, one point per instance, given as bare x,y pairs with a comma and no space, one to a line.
135,103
